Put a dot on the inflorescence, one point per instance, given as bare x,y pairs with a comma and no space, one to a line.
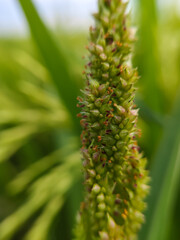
114,168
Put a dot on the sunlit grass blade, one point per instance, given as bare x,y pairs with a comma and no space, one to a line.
41,227
14,222
31,64
39,96
165,178
41,118
21,182
7,102
12,139
53,58
56,183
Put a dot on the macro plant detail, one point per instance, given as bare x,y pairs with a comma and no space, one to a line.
114,168
40,163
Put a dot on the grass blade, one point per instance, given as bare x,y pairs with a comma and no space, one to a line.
148,59
12,139
41,192
42,225
165,178
53,58
147,114
31,65
26,177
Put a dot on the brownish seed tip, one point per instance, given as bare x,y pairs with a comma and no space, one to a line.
124,216
125,211
106,35
135,177
121,69
119,44
99,138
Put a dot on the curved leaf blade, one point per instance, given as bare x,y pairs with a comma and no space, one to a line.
53,58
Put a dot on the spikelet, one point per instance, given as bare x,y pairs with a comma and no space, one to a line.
114,169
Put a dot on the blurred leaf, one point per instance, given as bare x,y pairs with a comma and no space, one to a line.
31,65
149,65
56,183
36,117
41,227
33,122
149,58
169,39
7,102
12,139
39,95
54,59
147,114
21,182
165,179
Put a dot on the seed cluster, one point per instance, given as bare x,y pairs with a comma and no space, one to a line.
115,176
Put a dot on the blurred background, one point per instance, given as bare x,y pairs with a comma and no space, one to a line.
42,44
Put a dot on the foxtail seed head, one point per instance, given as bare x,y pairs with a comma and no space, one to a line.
114,168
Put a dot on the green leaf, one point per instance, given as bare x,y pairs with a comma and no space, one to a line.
165,179
39,96
54,59
149,65
36,118
24,178
147,114
41,227
13,138
56,183
149,58
31,64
